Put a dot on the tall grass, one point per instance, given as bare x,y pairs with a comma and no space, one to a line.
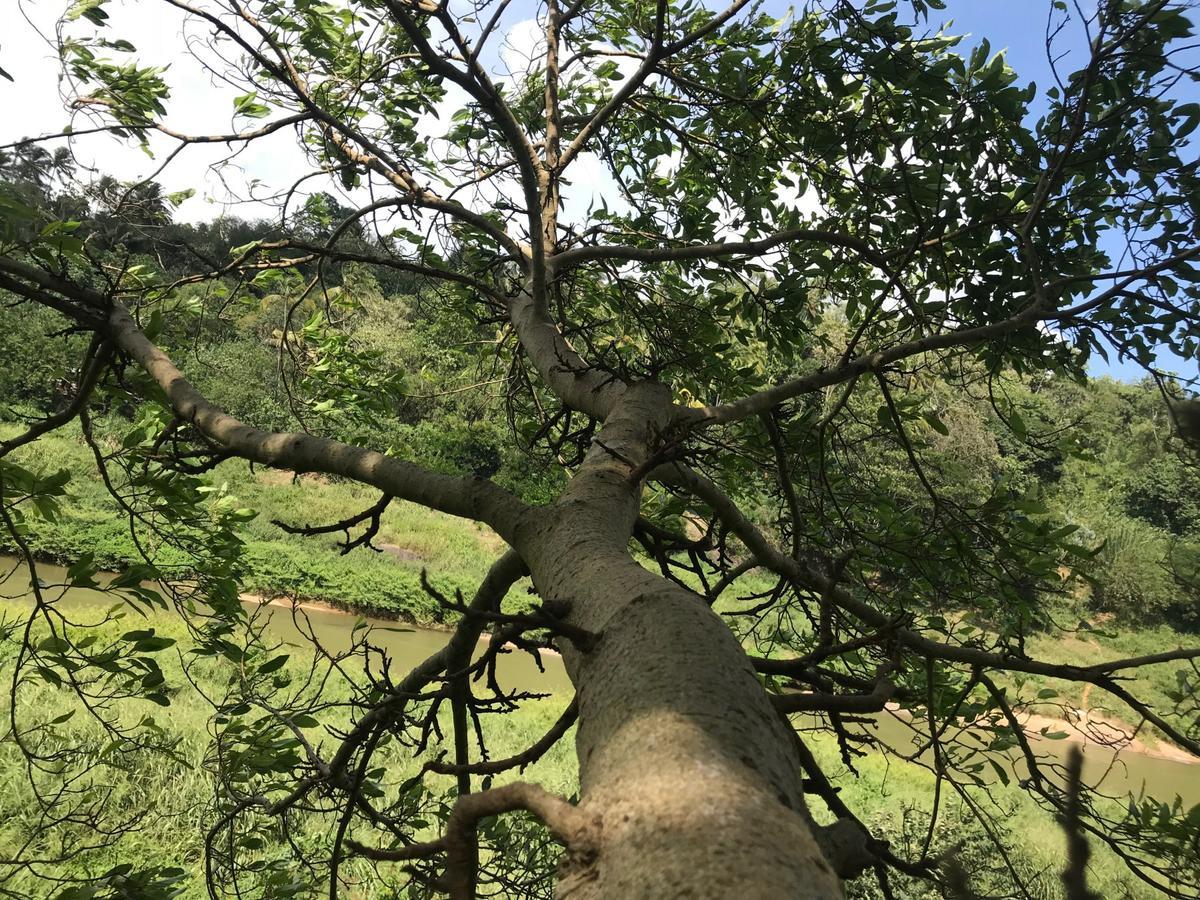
176,791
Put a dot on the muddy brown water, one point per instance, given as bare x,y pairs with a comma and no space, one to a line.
1117,773
298,625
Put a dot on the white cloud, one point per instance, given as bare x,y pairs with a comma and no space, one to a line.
35,104
523,47
223,176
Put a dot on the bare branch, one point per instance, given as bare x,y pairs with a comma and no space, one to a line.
525,758
808,578
570,825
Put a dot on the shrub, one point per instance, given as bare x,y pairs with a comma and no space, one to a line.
1130,578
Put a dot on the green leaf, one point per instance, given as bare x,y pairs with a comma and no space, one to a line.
83,570
936,423
273,665
92,10
178,197
248,105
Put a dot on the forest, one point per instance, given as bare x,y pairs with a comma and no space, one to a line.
684,458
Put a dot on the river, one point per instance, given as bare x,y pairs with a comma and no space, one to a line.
1122,773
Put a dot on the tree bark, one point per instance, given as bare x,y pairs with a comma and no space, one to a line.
689,770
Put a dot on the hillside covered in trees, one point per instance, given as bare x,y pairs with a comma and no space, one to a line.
1100,460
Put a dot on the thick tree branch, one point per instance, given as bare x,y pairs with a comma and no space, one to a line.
476,499
573,380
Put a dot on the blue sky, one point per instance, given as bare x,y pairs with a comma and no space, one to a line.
1018,27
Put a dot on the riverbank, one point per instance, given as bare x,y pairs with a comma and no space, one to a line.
329,609
1093,729
456,553
1088,728
885,791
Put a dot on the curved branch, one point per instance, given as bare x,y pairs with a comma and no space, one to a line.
476,499
520,760
370,515
315,252
801,701
97,359
721,249
568,824
657,53
502,575
401,179
860,365
230,138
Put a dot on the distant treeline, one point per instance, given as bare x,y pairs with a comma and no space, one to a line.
372,355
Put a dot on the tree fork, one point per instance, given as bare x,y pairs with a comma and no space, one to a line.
682,757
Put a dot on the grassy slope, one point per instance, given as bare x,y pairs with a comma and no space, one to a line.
456,553
176,792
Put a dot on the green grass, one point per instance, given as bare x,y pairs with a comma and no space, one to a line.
175,791
893,797
456,553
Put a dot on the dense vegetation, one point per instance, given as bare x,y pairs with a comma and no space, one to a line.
170,794
1097,456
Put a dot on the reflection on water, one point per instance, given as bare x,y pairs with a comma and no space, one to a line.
1116,773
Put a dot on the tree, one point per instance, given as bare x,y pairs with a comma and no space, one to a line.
669,349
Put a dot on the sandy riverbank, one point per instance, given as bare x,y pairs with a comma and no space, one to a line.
1091,728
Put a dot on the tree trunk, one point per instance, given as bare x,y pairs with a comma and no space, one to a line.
689,770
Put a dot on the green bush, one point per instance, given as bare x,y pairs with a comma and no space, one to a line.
372,583
244,373
1165,493
39,371
1130,578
